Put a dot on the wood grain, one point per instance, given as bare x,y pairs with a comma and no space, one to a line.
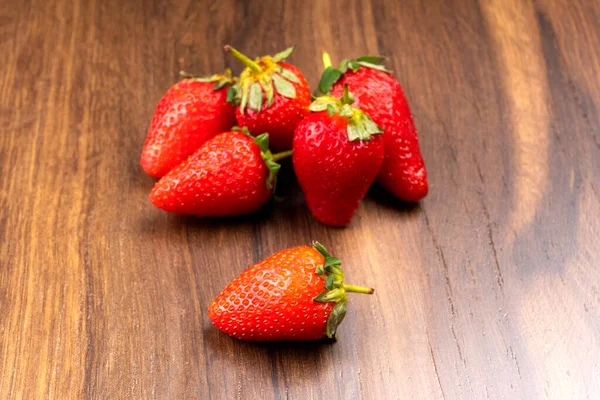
488,289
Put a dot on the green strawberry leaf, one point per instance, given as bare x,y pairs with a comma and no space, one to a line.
268,88
371,127
353,65
273,170
362,127
330,296
323,103
329,282
282,55
347,111
335,318
244,130
289,75
220,84
344,65
356,133
373,66
220,81
255,99
245,95
329,77
338,278
262,141
331,261
232,93
316,106
321,249
283,87
330,110
377,60
320,271
334,269
321,296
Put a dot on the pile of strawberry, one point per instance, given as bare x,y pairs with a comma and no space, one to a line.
215,142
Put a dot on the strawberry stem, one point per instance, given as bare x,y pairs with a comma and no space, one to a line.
253,65
326,60
347,97
358,289
283,154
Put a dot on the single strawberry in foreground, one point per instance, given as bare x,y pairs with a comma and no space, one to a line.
379,94
271,96
337,155
231,174
295,294
190,113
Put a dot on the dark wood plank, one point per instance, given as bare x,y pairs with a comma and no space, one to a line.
487,289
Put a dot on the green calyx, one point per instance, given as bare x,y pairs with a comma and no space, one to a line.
331,75
270,159
262,79
220,81
335,289
360,125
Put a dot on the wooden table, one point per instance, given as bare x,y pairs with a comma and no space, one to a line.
488,289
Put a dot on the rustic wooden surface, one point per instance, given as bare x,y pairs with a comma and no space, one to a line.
489,289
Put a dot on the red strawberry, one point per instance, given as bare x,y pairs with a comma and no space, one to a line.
296,294
190,113
271,96
231,174
380,95
337,154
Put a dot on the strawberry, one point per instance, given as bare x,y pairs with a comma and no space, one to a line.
231,174
271,96
379,94
337,154
295,294
190,113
